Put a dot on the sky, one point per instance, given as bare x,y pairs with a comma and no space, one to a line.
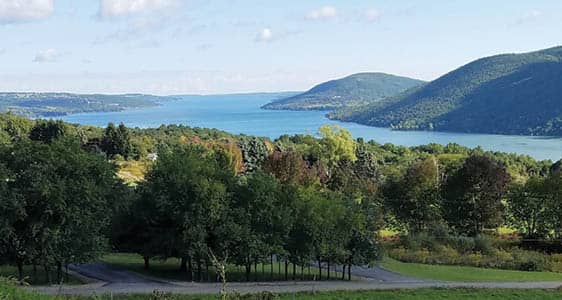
224,46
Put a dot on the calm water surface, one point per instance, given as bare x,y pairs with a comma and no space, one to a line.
242,114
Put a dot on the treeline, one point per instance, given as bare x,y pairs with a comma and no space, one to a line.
211,197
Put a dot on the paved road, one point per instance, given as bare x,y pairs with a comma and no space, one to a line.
115,281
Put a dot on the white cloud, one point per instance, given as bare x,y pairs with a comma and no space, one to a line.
527,17
325,12
47,55
2,51
372,15
119,8
265,35
16,11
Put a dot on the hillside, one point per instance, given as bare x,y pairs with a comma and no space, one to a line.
57,104
504,94
357,89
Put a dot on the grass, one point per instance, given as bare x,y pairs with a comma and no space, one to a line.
168,269
132,171
8,292
35,277
467,274
420,294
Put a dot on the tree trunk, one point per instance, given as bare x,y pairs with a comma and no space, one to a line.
47,274
271,271
189,269
199,271
286,269
294,271
319,269
146,262
328,265
20,270
248,269
349,272
302,272
256,269
343,272
183,265
59,273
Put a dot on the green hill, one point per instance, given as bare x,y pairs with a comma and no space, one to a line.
59,104
357,89
503,94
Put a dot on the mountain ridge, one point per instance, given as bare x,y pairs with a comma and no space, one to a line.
502,94
352,90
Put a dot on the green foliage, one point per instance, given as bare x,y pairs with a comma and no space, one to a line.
473,195
56,207
254,152
415,200
504,94
116,141
48,131
336,144
357,89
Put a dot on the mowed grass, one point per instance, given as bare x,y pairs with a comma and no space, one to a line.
169,269
467,274
420,294
36,277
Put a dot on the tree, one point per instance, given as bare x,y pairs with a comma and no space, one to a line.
265,217
289,168
117,141
254,152
472,199
336,144
48,131
186,193
528,207
415,199
58,210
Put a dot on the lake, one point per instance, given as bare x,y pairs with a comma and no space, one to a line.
242,114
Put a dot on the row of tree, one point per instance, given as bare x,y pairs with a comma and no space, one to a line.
192,203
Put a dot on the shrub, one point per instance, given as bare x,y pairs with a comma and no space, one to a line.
483,244
463,244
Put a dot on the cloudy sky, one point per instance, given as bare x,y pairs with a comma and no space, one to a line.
221,46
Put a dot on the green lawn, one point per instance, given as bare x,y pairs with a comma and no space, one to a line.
467,274
168,269
424,294
35,277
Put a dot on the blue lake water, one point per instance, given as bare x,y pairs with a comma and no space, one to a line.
242,114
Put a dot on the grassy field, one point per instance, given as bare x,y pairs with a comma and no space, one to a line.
168,269
467,274
426,294
35,278
8,292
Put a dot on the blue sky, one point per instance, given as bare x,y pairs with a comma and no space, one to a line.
222,46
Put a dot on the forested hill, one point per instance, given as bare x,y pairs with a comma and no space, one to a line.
357,89
504,94
58,104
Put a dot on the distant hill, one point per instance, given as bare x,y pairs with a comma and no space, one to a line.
354,90
504,94
58,104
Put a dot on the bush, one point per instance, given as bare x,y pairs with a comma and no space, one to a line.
463,244
483,244
530,260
